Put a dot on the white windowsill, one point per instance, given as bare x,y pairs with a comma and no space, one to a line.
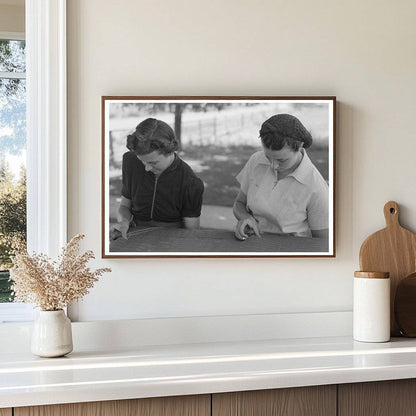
16,313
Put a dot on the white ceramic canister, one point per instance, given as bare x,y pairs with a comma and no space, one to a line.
371,307
52,334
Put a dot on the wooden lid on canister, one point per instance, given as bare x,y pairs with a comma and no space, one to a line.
372,275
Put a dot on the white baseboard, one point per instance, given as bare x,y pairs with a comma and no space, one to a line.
111,335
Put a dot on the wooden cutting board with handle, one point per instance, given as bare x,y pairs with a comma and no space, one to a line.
393,250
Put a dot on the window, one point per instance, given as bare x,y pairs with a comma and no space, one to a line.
12,154
45,26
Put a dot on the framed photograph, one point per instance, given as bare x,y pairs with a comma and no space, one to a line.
218,177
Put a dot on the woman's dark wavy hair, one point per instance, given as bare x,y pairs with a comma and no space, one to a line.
150,135
282,129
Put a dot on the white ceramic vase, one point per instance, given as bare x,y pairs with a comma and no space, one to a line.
52,334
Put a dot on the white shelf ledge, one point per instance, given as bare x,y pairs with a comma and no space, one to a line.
150,371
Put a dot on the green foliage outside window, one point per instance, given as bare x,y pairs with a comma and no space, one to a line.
12,223
12,144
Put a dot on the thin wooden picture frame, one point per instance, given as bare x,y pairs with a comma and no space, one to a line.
217,137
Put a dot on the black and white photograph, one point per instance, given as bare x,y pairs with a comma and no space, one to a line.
218,176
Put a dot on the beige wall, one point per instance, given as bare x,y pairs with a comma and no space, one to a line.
12,18
361,51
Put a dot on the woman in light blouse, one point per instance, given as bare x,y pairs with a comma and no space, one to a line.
281,190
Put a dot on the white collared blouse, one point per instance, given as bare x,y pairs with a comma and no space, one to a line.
293,205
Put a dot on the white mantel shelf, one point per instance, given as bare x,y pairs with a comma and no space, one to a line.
150,371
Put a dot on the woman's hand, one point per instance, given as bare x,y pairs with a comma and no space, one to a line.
246,225
124,217
191,223
245,228
119,230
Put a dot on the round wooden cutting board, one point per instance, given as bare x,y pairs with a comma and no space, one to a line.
393,250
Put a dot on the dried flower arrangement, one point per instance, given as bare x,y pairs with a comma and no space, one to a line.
52,285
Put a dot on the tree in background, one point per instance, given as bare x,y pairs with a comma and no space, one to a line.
12,97
12,142
12,212
150,109
12,222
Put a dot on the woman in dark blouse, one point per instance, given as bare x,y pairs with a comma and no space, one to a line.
159,188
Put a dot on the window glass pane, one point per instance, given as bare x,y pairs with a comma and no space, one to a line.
12,118
12,172
12,55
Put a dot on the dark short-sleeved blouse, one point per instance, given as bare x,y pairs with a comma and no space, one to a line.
176,193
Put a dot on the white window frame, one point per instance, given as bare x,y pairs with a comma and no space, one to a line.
12,35
46,126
